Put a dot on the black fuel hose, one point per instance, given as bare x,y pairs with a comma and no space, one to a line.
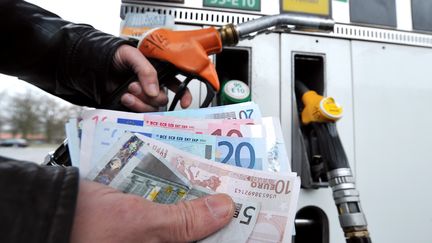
330,145
340,177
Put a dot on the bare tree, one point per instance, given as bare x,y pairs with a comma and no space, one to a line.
23,113
55,115
51,121
3,100
36,113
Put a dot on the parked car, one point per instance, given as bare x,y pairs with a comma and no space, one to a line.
14,142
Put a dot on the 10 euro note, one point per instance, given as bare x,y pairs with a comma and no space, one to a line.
276,192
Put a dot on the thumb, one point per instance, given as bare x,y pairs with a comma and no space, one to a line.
196,219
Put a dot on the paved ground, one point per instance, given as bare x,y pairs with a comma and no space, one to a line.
33,154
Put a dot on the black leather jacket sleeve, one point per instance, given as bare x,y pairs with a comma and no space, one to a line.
37,203
72,61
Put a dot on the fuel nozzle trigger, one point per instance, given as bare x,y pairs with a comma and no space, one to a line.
187,51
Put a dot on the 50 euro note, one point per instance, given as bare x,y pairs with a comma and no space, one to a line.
246,110
248,152
208,126
276,192
130,167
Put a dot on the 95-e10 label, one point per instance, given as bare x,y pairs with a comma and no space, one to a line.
252,5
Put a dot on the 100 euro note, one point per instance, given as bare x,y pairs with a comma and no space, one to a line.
153,180
276,192
132,168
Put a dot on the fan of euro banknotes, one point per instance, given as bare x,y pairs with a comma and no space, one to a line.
167,157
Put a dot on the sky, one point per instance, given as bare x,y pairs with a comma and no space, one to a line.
101,14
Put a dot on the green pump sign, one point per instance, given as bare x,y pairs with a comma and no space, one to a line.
251,5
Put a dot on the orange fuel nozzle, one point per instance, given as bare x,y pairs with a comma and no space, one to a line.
187,50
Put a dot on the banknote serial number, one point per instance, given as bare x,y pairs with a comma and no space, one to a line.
168,124
254,193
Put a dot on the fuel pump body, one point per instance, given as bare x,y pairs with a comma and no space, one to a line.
380,77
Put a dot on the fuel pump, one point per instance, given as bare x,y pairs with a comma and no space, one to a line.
186,52
318,117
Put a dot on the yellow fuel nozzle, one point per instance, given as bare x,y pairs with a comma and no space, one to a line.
319,109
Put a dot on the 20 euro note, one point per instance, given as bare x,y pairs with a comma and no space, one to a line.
132,168
277,157
278,160
276,192
240,151
247,110
91,118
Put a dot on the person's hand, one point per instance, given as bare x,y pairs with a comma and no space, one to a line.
143,95
104,214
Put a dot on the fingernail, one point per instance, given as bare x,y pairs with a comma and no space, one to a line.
135,88
153,89
220,205
128,100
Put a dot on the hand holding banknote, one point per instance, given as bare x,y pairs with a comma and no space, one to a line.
104,214
170,160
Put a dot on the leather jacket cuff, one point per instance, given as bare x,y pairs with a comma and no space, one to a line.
88,66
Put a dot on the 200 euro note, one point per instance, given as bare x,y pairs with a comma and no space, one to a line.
276,192
130,167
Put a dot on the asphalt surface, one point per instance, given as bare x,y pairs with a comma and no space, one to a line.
32,154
